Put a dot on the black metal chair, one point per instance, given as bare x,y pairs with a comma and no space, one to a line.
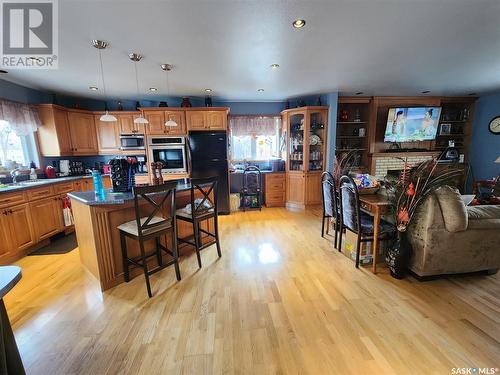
252,186
356,221
151,227
202,209
330,204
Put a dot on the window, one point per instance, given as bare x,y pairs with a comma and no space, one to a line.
254,137
16,151
18,122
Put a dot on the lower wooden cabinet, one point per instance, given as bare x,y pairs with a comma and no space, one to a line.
295,189
47,217
303,189
313,188
16,232
275,189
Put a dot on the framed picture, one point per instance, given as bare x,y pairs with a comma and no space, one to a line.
445,129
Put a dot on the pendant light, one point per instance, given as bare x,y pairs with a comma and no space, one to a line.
135,57
100,45
167,68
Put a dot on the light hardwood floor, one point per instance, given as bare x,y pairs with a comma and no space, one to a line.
280,300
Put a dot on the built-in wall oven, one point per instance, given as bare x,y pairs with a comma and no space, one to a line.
170,151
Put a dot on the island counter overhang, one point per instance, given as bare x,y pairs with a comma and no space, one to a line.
96,221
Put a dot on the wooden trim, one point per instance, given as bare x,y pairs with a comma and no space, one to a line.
354,99
299,109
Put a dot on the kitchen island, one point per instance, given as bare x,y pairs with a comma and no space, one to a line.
96,221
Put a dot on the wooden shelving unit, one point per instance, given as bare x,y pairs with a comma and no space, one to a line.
353,118
306,141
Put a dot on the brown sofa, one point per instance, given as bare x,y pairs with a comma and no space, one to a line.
447,237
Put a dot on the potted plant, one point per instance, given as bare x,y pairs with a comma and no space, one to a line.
406,193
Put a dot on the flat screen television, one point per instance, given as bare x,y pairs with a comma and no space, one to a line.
412,124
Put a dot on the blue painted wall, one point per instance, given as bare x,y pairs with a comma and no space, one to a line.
485,146
17,93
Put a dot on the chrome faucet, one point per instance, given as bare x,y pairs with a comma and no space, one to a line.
14,174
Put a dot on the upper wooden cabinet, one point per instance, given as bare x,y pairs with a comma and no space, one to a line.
54,136
108,136
213,119
66,131
83,133
126,123
158,117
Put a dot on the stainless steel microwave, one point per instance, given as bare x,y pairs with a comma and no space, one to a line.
132,142
170,152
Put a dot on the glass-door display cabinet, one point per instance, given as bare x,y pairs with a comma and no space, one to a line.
306,152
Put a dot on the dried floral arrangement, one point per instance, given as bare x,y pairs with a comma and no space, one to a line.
343,164
413,185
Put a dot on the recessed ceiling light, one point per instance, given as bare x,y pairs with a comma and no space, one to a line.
425,92
275,66
299,23
3,71
360,93
153,89
93,88
260,90
208,90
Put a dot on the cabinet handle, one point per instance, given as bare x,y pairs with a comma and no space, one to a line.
5,212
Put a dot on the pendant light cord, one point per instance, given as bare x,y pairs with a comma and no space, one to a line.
136,78
102,75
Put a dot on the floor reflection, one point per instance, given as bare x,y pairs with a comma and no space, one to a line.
264,254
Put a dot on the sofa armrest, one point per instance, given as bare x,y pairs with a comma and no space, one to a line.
452,208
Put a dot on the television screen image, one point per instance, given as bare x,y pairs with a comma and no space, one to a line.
412,124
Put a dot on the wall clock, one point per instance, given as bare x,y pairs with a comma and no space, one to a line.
494,125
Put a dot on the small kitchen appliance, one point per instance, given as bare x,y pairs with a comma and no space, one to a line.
50,171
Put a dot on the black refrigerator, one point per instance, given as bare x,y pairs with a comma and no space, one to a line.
208,155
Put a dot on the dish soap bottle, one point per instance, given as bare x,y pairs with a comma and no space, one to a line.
33,175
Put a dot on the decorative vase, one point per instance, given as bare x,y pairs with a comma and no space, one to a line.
163,104
137,106
398,255
208,101
120,106
186,103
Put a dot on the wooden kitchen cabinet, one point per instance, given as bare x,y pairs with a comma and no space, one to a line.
83,133
180,118
217,120
108,136
47,217
157,119
126,123
196,120
54,134
275,189
207,119
16,232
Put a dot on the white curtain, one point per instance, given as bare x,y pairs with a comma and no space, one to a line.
22,118
254,125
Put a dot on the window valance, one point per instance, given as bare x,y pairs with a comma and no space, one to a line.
22,118
254,125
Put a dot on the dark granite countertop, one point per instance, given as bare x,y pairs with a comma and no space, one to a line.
91,199
30,184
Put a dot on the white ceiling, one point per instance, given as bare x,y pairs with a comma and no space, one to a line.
380,47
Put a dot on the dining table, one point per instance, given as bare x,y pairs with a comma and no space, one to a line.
376,205
10,360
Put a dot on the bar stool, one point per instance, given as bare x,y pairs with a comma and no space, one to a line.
201,209
151,227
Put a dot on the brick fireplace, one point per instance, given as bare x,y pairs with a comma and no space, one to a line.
384,162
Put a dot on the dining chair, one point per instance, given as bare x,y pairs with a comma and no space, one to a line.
330,204
353,219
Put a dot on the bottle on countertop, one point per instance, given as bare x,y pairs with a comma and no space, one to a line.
98,185
33,175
